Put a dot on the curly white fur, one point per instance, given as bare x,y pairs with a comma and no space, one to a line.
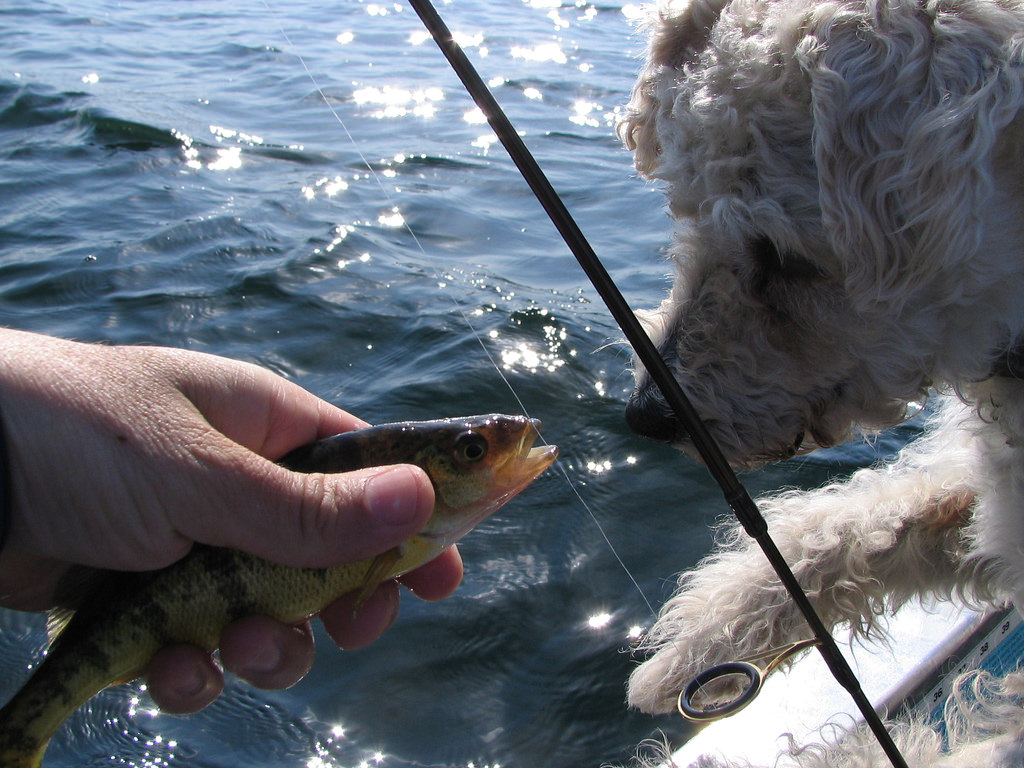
847,180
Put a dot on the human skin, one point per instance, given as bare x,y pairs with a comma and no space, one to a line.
122,457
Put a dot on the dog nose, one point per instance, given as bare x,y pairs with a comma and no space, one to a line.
649,416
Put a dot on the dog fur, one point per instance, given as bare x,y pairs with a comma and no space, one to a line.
847,178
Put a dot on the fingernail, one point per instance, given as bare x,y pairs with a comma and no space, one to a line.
265,659
191,684
393,496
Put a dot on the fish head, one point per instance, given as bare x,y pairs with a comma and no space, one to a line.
476,464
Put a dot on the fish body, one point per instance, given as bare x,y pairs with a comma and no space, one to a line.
476,464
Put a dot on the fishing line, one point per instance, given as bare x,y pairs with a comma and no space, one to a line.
459,308
734,492
387,195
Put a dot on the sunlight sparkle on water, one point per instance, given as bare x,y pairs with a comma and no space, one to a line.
582,113
375,759
468,40
464,39
484,142
543,52
376,9
532,357
227,159
560,23
188,150
395,101
599,620
340,233
222,133
633,11
325,185
363,258
134,710
393,218
523,356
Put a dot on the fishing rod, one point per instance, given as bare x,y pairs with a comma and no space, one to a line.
736,495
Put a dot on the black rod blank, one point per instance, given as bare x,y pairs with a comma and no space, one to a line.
735,493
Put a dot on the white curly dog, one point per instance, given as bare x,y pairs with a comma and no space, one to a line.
847,178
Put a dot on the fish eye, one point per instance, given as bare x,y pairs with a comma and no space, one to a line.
470,447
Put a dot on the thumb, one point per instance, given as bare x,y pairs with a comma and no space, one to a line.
317,520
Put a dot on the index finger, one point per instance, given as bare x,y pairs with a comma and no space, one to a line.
258,409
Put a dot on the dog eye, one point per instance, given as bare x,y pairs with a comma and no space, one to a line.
786,265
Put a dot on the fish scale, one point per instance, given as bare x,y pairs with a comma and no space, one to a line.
476,464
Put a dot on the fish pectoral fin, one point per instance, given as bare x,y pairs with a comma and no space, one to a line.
380,569
72,592
57,620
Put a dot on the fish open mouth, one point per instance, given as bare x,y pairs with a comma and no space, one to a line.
527,462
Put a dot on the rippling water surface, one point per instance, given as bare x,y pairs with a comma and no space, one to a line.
306,186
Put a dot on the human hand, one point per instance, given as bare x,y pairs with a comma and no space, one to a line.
122,457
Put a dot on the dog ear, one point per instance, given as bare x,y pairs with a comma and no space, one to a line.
677,33
908,102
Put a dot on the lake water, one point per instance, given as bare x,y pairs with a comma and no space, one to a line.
306,186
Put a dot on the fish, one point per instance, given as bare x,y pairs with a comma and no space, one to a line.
475,464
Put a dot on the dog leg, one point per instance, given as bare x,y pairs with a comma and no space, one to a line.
860,548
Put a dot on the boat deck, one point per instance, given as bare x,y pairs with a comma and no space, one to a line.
930,646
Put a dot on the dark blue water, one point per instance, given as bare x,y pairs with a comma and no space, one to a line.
305,186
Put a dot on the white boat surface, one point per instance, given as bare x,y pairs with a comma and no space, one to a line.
929,645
